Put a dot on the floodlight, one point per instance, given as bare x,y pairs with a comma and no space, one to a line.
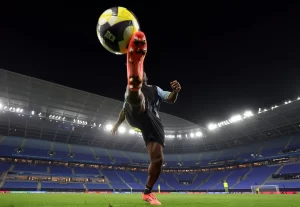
121,129
235,118
248,114
212,126
108,127
199,134
131,131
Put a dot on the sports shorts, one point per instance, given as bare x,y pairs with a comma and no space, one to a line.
149,124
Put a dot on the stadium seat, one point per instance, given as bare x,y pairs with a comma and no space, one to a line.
119,180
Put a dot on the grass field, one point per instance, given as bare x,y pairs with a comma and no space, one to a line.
134,200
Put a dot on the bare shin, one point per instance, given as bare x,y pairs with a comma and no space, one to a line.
155,167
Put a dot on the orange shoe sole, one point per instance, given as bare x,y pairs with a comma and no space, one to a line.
137,50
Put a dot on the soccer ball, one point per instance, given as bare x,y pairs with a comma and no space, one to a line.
115,28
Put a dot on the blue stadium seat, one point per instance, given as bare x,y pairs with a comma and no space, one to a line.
60,170
55,185
96,186
4,167
295,142
122,180
126,176
119,157
30,168
214,180
135,157
293,168
14,142
256,177
9,145
19,185
86,171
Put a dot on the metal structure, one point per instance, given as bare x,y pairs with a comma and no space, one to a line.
38,109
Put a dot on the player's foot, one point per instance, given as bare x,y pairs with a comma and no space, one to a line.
151,199
137,50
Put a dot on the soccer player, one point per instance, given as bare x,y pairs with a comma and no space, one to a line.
141,108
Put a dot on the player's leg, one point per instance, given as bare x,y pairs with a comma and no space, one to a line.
137,50
155,150
136,100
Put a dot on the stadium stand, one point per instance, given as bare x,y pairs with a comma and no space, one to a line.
119,169
67,147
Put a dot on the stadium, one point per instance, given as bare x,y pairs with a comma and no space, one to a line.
56,139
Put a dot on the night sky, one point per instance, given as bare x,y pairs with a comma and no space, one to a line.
229,57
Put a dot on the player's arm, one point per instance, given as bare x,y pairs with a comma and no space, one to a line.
175,85
121,119
170,97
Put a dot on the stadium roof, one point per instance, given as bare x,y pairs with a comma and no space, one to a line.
38,109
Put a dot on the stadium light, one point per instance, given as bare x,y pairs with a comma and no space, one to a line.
131,131
287,102
248,114
122,129
192,135
199,134
1,106
108,127
32,112
212,126
18,110
170,136
235,118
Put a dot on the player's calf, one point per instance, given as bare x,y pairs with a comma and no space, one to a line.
137,50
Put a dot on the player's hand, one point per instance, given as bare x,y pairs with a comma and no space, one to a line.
114,130
175,85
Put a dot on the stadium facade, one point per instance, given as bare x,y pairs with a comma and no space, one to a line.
55,138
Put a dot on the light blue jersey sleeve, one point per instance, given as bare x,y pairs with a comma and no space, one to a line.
163,94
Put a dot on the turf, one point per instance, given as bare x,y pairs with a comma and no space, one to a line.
134,200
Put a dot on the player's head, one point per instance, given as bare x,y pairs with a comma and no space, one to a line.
145,78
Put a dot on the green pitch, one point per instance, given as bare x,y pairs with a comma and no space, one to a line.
134,200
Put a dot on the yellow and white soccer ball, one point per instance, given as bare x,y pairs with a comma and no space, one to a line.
115,28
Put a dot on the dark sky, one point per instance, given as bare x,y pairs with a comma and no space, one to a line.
229,57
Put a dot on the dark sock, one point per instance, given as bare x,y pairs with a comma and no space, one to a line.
147,190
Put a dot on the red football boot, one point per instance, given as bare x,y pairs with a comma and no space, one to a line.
136,53
151,199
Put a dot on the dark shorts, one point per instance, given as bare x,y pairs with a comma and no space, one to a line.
150,126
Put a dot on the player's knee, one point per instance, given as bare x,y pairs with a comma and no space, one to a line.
134,101
158,160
